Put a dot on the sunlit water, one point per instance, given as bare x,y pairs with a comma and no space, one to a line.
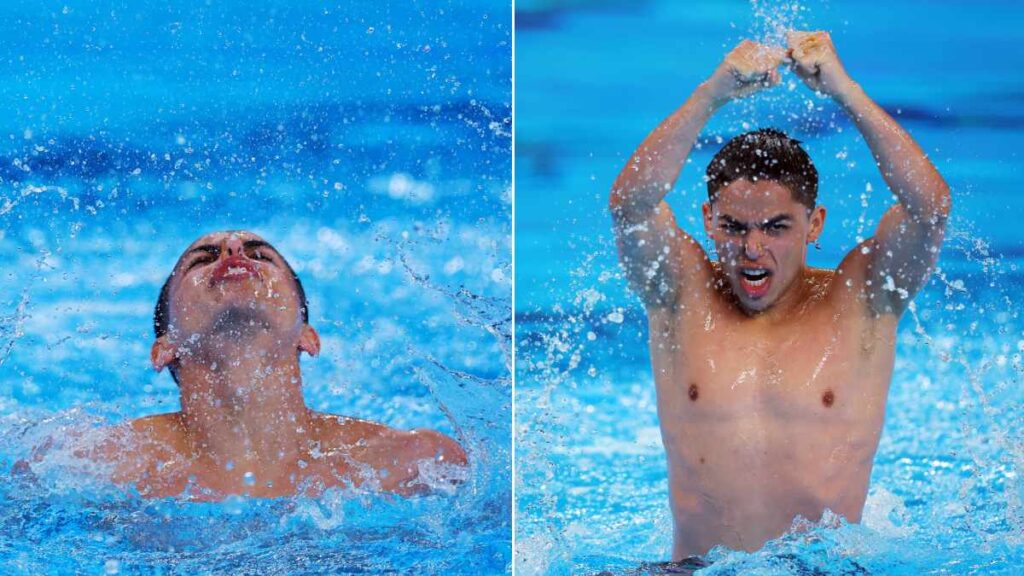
946,496
370,144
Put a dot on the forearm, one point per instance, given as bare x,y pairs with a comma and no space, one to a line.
906,169
655,165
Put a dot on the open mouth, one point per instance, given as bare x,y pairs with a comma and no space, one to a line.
234,268
755,281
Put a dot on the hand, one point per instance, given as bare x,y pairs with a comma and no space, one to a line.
813,58
750,67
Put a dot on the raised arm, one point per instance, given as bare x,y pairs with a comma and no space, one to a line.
657,255
895,263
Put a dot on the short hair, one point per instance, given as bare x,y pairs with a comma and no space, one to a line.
765,154
161,314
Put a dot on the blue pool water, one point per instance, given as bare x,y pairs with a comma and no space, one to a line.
371,144
592,79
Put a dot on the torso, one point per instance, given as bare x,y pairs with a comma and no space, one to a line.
766,420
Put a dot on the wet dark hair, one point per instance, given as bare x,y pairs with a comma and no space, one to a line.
162,310
765,154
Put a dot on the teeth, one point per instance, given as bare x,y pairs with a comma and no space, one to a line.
233,271
754,277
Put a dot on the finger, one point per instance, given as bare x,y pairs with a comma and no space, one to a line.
806,68
793,37
797,55
775,54
744,46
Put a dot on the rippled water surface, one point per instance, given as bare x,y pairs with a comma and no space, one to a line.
592,80
370,144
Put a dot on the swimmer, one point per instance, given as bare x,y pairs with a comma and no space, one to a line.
771,376
231,322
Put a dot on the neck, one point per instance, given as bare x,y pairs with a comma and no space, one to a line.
242,408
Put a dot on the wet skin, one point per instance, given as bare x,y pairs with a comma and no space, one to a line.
771,376
768,416
157,457
234,343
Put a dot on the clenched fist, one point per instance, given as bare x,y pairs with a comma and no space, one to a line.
813,58
748,68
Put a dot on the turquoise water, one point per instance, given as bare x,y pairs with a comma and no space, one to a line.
370,144
592,80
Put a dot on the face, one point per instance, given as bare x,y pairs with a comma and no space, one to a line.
228,277
761,234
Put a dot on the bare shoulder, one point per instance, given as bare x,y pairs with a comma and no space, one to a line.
374,442
705,285
157,428
137,446
834,290
122,449
405,462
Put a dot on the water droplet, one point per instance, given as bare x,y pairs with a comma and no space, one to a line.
249,479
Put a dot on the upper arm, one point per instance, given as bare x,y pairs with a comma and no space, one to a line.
657,256
894,264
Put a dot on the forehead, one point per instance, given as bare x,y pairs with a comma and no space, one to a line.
762,199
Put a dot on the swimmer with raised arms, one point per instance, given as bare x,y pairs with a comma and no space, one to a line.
771,376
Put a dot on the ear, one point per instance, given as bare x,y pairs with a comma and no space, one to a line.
309,341
162,353
817,223
709,225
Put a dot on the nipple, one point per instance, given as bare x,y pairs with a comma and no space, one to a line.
828,398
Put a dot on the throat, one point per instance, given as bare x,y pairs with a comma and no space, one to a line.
276,441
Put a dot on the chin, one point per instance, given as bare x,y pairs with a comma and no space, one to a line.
755,305
759,305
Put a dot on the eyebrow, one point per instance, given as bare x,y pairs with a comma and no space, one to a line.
780,219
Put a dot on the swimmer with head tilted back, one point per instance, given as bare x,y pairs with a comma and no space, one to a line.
231,323
771,376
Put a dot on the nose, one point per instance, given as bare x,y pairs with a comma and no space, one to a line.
233,246
753,245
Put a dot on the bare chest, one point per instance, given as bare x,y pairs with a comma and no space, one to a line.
822,367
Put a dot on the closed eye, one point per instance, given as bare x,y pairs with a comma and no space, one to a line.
260,254
260,250
201,260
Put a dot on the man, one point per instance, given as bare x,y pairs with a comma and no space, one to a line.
771,376
231,322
